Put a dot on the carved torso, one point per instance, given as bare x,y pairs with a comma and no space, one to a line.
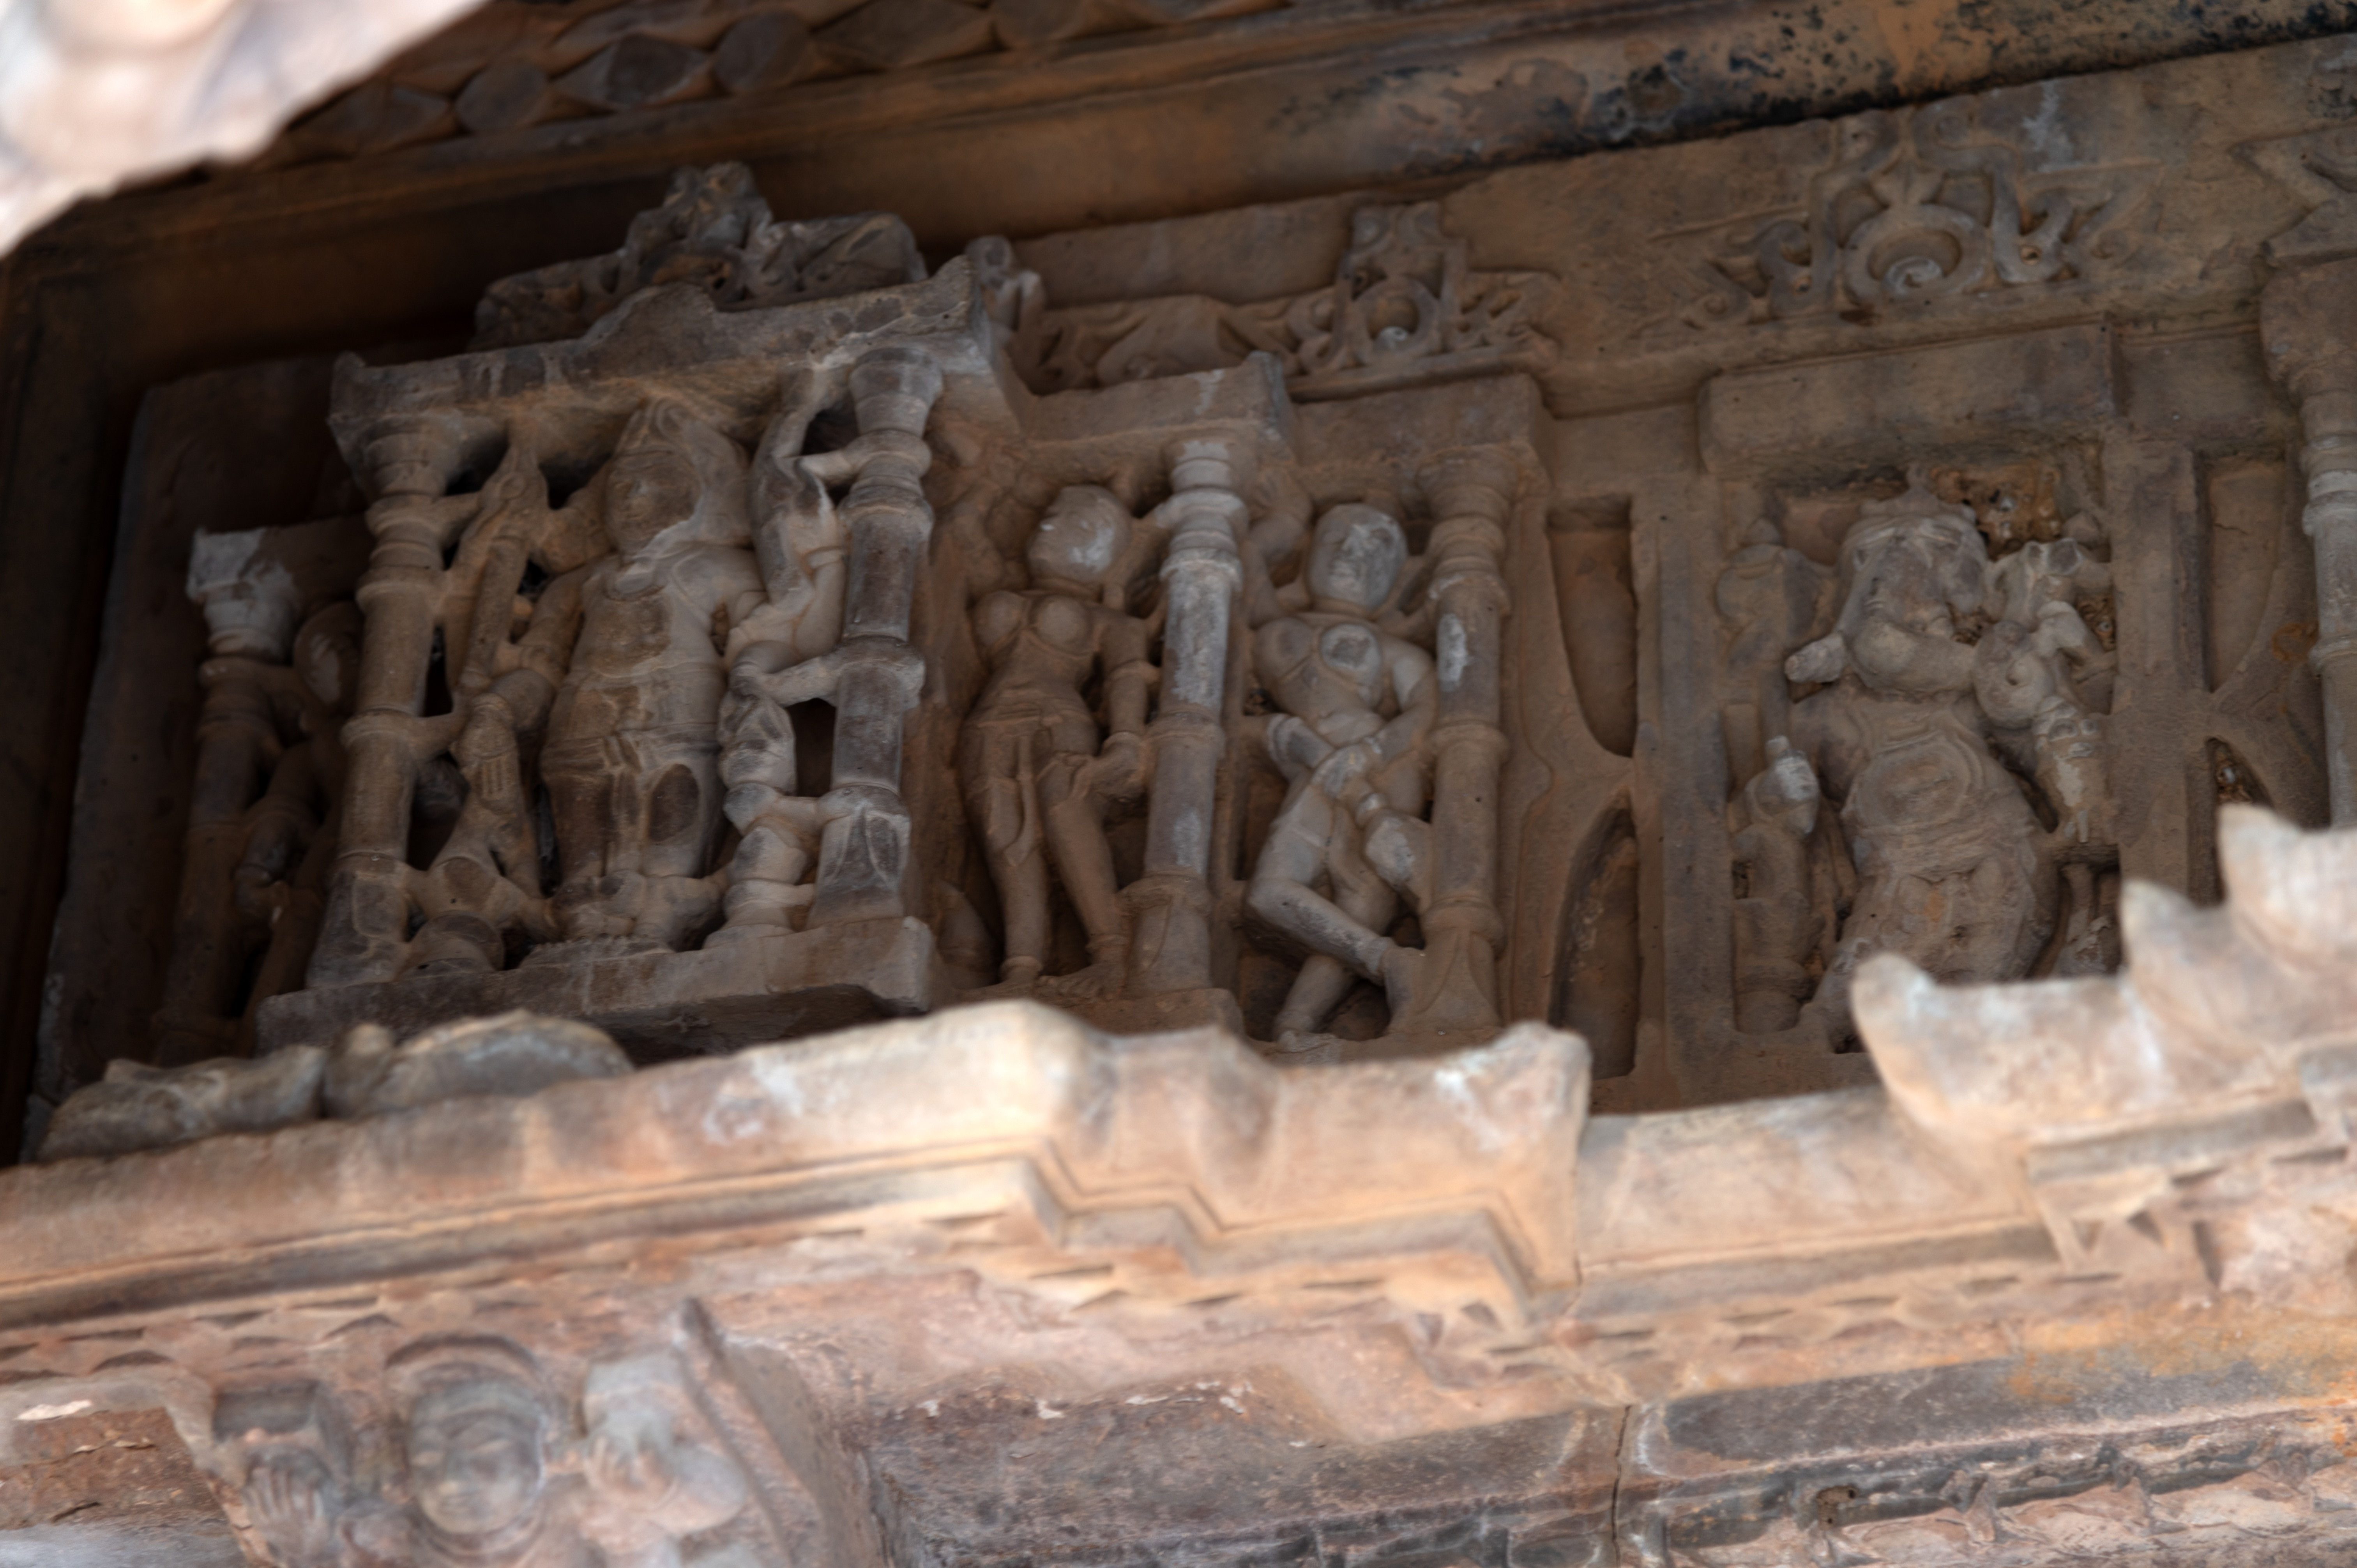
649,652
1330,670
1041,645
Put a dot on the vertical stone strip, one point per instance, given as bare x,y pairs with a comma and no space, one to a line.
250,613
2328,459
1170,949
2308,323
1457,988
863,852
365,930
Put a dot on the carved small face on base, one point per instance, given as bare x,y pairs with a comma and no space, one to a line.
1084,534
1355,557
476,1466
477,1441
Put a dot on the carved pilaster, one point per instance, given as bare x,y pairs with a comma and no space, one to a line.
1456,992
365,933
864,850
1171,950
2309,322
249,608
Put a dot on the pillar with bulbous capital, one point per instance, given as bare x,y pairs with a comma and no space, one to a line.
2308,323
864,852
250,613
365,929
1170,946
1456,991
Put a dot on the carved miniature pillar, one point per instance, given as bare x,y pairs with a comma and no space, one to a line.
1456,991
250,612
1171,948
364,935
2309,322
865,849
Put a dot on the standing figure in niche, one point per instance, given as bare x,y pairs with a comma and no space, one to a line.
632,756
1953,870
291,838
1355,743
493,1479
1037,774
802,546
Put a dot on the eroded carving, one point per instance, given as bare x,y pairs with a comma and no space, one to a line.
1038,773
1405,306
1944,676
1916,205
489,1471
364,1074
713,231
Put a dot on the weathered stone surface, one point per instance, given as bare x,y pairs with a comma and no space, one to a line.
1806,610
1164,1294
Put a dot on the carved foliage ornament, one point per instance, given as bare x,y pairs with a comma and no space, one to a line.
714,230
1916,205
1405,306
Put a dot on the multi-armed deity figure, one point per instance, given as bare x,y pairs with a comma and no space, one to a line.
1953,870
623,669
1354,742
631,760
490,1475
1038,773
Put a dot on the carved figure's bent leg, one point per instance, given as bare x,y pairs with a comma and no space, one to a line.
1002,798
1314,835
680,779
1073,815
778,829
584,780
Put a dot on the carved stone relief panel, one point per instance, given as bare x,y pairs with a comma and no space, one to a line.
745,650
1359,622
1961,684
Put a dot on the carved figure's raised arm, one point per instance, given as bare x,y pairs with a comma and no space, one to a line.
799,540
1281,521
650,1482
1417,690
1130,674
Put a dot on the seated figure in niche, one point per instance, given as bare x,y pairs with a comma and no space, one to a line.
1355,743
1038,776
490,1475
1907,731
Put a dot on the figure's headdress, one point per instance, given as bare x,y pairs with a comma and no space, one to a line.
446,1364
665,423
1877,520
